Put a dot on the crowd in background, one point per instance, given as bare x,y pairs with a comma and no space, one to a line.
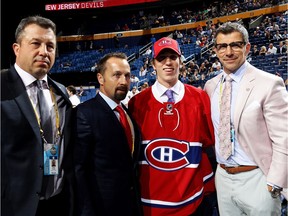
268,38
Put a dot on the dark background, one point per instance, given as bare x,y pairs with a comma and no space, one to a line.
13,12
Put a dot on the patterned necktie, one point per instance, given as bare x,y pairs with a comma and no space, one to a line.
225,122
169,94
125,124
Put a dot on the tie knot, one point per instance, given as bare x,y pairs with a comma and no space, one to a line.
41,84
228,78
169,94
119,109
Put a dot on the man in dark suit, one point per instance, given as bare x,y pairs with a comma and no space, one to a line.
281,49
105,167
31,183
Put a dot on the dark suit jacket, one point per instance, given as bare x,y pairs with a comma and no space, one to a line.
284,49
106,174
21,146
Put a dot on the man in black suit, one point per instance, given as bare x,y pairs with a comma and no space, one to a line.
105,167
36,166
281,49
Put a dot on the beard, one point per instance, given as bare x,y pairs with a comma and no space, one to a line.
121,94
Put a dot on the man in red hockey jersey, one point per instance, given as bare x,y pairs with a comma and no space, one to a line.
175,172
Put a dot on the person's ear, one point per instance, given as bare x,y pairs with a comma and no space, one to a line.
100,78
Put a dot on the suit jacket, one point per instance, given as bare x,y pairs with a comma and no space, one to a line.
260,121
22,149
106,173
284,49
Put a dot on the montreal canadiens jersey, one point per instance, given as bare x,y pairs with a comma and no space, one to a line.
175,172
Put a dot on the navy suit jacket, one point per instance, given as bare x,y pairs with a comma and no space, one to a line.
106,172
22,150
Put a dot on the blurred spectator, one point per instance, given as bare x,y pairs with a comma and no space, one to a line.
116,41
271,49
216,64
285,34
268,36
148,52
152,39
202,68
82,92
134,80
143,71
117,27
277,36
94,67
129,95
263,50
78,47
281,48
125,27
73,97
144,86
255,51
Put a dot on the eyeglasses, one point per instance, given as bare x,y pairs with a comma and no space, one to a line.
235,46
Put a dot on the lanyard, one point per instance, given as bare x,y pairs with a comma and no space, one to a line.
57,118
221,91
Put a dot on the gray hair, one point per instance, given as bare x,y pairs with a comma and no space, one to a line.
229,27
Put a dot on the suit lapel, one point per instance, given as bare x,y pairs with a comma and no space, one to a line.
136,139
246,86
21,98
63,104
211,87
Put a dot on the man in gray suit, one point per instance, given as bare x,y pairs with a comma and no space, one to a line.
254,175
36,156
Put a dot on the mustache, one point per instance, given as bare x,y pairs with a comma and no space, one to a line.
122,88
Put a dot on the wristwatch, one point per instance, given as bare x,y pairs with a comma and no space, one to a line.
275,191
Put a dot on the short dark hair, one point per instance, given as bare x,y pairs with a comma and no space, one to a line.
101,66
38,20
72,89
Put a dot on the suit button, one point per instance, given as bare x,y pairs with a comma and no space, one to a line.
41,167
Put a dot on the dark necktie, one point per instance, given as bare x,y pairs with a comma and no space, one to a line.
125,124
44,111
224,130
169,94
46,126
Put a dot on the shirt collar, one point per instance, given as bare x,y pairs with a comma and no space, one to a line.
237,76
162,89
26,77
109,101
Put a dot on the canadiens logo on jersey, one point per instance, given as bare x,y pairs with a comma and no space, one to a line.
170,154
